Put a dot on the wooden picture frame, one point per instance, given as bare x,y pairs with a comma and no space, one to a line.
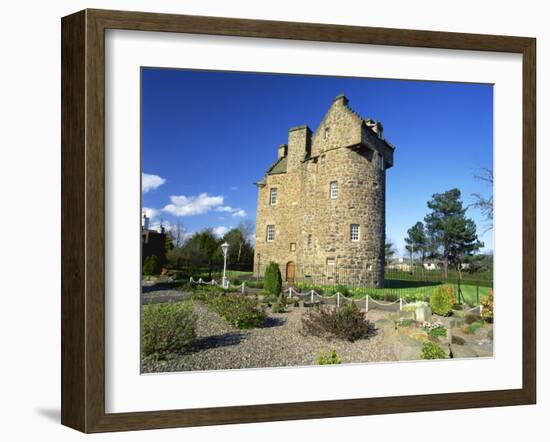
83,220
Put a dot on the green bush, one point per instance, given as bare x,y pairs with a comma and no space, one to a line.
240,311
438,331
442,300
235,281
474,326
328,358
347,322
167,328
488,303
272,279
432,351
278,307
151,265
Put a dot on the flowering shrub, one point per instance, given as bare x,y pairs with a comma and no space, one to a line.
435,328
488,303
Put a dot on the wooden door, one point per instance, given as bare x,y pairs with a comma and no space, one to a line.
290,271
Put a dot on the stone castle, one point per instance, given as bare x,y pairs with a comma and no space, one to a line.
321,205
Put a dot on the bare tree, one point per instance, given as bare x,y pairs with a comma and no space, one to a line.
485,204
178,234
246,228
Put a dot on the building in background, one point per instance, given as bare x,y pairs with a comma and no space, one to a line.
153,242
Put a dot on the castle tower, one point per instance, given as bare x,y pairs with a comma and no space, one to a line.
321,205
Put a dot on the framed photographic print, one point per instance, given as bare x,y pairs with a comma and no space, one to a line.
267,221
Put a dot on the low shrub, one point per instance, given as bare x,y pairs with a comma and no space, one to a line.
151,265
488,303
267,298
442,300
240,311
167,328
432,351
347,322
272,279
435,328
278,307
235,281
474,326
328,358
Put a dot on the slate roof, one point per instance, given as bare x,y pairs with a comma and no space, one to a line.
277,167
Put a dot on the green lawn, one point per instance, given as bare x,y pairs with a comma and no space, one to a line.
408,290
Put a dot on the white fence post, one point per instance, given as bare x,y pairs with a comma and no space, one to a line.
312,296
367,303
400,304
338,299
242,288
290,292
480,309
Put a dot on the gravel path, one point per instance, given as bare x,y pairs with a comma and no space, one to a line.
280,343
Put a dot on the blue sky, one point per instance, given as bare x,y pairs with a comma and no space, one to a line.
208,136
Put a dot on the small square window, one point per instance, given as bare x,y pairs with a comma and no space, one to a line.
273,196
292,246
354,232
270,234
334,189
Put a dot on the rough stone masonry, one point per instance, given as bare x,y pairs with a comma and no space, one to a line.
321,205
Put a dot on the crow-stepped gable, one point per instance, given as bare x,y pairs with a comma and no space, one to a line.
321,205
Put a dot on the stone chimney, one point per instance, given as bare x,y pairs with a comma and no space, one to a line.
281,151
299,145
341,100
376,127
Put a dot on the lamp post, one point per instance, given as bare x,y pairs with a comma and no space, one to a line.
225,247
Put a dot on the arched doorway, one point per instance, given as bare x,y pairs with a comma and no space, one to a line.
290,271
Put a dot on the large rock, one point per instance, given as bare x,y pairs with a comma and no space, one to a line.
463,351
406,348
423,313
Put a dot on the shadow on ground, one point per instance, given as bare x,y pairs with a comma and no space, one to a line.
216,341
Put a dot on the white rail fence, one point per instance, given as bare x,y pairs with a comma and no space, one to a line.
200,281
313,295
340,299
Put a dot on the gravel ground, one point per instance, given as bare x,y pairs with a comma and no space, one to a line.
280,343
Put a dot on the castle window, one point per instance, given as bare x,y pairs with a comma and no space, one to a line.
354,232
273,196
334,189
331,265
380,162
270,234
327,132
292,246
